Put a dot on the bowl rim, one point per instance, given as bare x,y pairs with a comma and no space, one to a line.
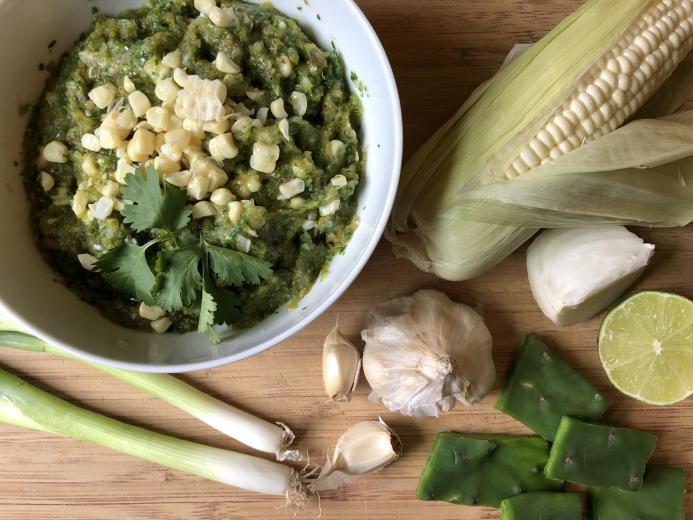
361,260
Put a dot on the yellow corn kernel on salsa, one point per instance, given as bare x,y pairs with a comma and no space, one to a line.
194,164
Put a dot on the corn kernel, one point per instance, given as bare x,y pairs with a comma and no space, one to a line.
204,6
172,59
139,102
125,121
91,142
243,243
87,261
103,208
264,158
79,203
334,148
103,95
203,209
142,144
253,183
128,85
109,138
164,165
262,114
158,117
339,181
179,138
217,178
161,325
123,169
110,189
222,17
221,196
170,152
166,90
180,179
226,65
223,147
180,77
217,127
46,180
329,208
198,187
297,202
89,165
283,126
291,188
55,152
284,66
299,102
235,211
150,312
277,108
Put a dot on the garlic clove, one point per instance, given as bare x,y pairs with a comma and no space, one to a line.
424,352
364,448
575,273
341,364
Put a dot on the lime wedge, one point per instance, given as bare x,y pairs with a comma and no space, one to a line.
646,347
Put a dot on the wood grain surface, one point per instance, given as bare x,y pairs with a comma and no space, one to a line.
440,50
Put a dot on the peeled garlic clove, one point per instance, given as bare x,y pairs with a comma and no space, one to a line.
425,351
576,273
341,364
364,448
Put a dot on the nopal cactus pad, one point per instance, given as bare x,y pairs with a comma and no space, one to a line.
484,470
542,506
661,498
542,388
598,455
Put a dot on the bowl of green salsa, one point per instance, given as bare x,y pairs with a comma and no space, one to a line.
187,183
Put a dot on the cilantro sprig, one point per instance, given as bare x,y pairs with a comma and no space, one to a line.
186,274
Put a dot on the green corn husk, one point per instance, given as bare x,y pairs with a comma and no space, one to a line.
457,214
611,180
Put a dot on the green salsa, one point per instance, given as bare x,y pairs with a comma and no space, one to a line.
295,214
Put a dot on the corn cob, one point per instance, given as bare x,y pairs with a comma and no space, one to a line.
617,85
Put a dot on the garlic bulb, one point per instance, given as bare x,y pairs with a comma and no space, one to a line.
424,351
341,364
576,273
364,448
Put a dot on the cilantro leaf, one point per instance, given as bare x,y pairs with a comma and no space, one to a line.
235,268
126,269
227,303
150,208
179,281
208,310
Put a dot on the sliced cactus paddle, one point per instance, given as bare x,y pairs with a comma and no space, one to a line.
597,455
484,470
542,506
541,389
661,498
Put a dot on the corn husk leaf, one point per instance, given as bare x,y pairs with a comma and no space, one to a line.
615,179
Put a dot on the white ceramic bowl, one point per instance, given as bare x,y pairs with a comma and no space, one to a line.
28,290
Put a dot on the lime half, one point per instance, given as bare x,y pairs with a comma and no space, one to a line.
646,347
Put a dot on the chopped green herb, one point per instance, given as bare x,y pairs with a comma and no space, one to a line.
150,208
183,270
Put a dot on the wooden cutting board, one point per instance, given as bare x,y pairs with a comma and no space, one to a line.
440,50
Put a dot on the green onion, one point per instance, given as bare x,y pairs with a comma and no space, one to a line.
240,425
22,404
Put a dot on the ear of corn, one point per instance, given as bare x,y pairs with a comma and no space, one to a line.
580,82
